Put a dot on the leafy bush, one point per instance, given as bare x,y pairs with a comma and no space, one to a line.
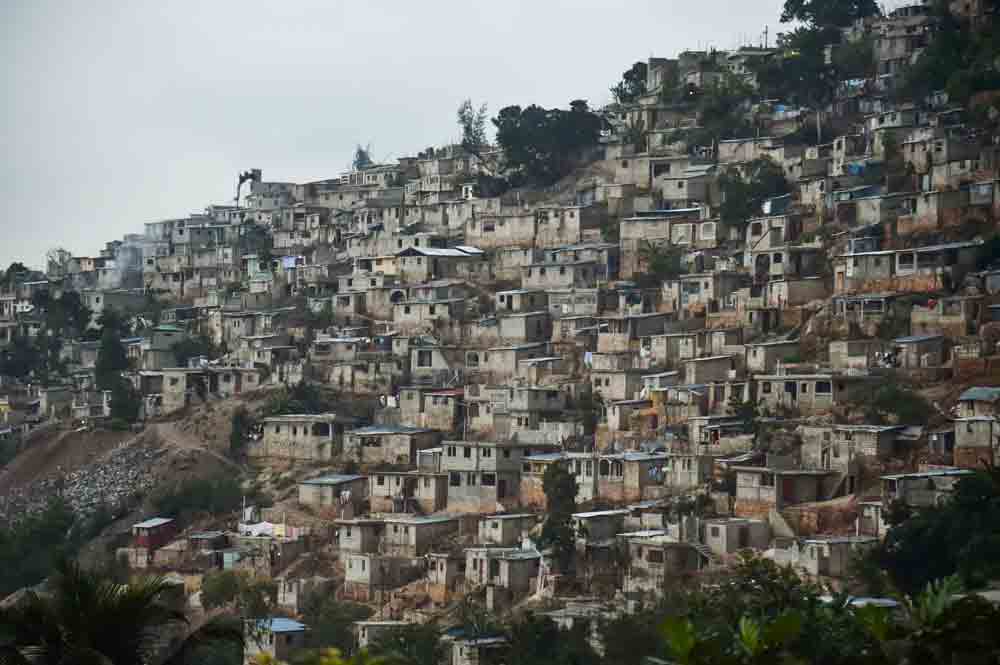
212,496
30,548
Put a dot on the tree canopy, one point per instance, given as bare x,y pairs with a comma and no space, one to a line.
560,487
960,537
90,619
472,121
828,13
632,84
542,145
744,197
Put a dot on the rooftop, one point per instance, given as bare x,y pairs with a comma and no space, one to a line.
332,479
152,523
388,429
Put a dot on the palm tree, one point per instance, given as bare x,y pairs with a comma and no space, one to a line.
88,619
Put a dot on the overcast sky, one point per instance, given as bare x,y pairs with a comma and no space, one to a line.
118,113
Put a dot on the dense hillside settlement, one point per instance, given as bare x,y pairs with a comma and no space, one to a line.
581,388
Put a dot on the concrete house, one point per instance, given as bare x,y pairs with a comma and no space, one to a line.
955,316
919,351
977,441
622,333
832,556
925,268
525,327
445,575
520,300
855,354
759,490
576,275
390,444
333,490
408,491
278,638
709,369
979,401
726,536
414,536
423,264
838,447
413,315
599,526
812,393
763,357
483,476
697,293
431,408
301,437
656,561
435,364
477,650
501,362
509,569
370,577
684,470
921,489
505,530
368,632
358,536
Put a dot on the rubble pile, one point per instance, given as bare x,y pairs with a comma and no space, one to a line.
110,480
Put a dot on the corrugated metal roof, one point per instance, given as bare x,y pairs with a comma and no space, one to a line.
283,625
980,394
152,523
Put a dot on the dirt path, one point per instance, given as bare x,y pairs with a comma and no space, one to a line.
172,437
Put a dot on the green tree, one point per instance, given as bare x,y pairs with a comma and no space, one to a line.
253,599
14,270
220,588
800,74
472,122
591,407
536,640
20,358
241,424
959,59
903,406
31,546
112,360
629,638
330,620
560,489
743,198
362,158
661,262
960,537
126,402
213,495
828,13
633,84
90,620
194,347
413,644
303,397
542,145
